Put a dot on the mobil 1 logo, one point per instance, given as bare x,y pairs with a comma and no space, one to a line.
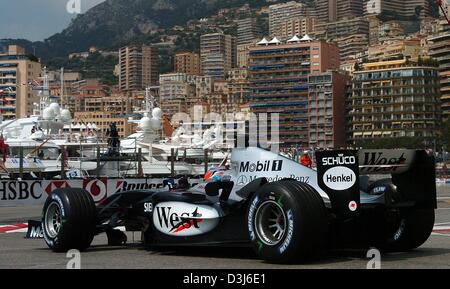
338,176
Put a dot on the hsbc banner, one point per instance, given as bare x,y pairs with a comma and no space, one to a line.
338,176
34,192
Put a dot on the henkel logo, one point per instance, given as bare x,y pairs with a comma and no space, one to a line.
183,219
261,166
339,178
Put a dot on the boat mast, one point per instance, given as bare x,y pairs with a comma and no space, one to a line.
62,87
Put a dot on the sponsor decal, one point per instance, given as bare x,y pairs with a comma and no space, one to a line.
148,207
339,160
177,222
97,188
53,185
382,162
20,190
34,230
339,178
251,214
290,232
379,190
242,180
352,206
60,203
400,230
261,166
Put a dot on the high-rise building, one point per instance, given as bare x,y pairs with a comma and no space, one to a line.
174,93
17,70
439,49
326,107
395,50
334,10
138,67
393,99
217,54
278,82
352,35
247,31
282,12
394,9
242,55
188,62
351,45
297,26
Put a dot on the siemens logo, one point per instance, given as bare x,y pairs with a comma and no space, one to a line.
339,160
261,166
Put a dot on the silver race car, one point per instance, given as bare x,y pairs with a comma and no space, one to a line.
286,211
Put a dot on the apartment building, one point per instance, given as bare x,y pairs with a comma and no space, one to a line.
282,12
395,99
138,67
217,54
334,10
247,31
439,49
174,93
296,26
278,81
326,109
395,9
17,71
188,62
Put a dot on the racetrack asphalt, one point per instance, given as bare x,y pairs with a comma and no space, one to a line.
18,252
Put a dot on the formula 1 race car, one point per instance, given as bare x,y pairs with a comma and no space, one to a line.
286,211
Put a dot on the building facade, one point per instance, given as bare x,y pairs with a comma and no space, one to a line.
218,54
394,99
326,107
334,10
247,31
439,49
188,62
394,9
296,26
17,72
278,83
282,12
138,67
174,93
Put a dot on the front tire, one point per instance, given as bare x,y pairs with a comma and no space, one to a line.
69,220
287,222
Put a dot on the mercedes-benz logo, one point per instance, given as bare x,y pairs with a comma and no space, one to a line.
242,180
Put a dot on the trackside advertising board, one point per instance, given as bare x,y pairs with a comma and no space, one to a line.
34,192
338,176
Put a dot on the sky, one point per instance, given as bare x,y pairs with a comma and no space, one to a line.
37,19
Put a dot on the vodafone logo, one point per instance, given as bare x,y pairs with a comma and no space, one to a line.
97,189
56,185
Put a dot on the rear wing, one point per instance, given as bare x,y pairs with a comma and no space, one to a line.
412,172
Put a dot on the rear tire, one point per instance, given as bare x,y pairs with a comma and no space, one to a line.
412,229
287,222
69,220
